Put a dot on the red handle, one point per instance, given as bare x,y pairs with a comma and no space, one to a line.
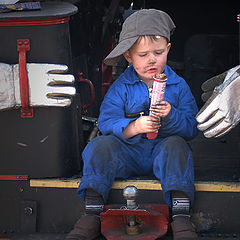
23,45
92,90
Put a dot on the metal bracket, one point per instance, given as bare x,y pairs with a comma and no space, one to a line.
151,222
23,45
28,216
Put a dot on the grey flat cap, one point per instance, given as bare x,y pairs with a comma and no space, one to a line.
140,23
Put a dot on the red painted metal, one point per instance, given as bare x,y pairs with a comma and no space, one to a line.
33,22
107,78
14,178
92,92
153,222
23,45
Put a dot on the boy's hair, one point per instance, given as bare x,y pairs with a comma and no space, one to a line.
145,22
151,37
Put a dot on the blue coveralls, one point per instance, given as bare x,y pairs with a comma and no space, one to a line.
168,157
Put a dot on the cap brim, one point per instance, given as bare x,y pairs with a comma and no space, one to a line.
121,48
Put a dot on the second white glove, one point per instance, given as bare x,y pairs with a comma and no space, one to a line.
221,112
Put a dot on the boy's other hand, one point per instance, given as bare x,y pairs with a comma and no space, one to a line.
161,109
147,124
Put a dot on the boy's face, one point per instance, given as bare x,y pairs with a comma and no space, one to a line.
148,56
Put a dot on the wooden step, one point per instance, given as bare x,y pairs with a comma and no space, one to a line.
200,186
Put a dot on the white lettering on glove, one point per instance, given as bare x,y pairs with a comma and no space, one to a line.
221,112
49,85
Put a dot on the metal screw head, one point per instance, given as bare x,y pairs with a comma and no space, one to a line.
130,193
28,211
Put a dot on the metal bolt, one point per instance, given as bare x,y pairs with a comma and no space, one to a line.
130,194
28,211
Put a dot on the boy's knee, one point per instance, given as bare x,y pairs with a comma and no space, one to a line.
101,145
176,142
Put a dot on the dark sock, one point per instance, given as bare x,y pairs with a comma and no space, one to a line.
93,202
180,205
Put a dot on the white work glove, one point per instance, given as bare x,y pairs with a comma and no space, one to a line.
48,86
209,85
221,112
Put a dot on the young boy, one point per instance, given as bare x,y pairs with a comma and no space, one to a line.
124,150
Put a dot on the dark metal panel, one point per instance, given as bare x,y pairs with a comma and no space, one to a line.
217,159
49,44
44,146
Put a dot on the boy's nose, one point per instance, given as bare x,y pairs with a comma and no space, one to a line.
152,58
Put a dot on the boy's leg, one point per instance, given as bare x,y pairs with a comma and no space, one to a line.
88,226
181,225
173,165
102,159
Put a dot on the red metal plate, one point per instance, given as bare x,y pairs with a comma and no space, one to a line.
152,220
13,178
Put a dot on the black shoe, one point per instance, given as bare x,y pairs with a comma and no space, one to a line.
87,227
183,229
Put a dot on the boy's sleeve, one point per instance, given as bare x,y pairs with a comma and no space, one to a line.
181,119
112,118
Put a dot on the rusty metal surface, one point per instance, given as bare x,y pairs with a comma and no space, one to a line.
52,236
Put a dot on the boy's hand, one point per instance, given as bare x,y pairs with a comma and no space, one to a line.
146,124
161,109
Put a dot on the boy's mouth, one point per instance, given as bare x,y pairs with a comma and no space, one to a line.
152,70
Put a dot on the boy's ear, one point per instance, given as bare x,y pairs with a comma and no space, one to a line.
127,56
168,46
